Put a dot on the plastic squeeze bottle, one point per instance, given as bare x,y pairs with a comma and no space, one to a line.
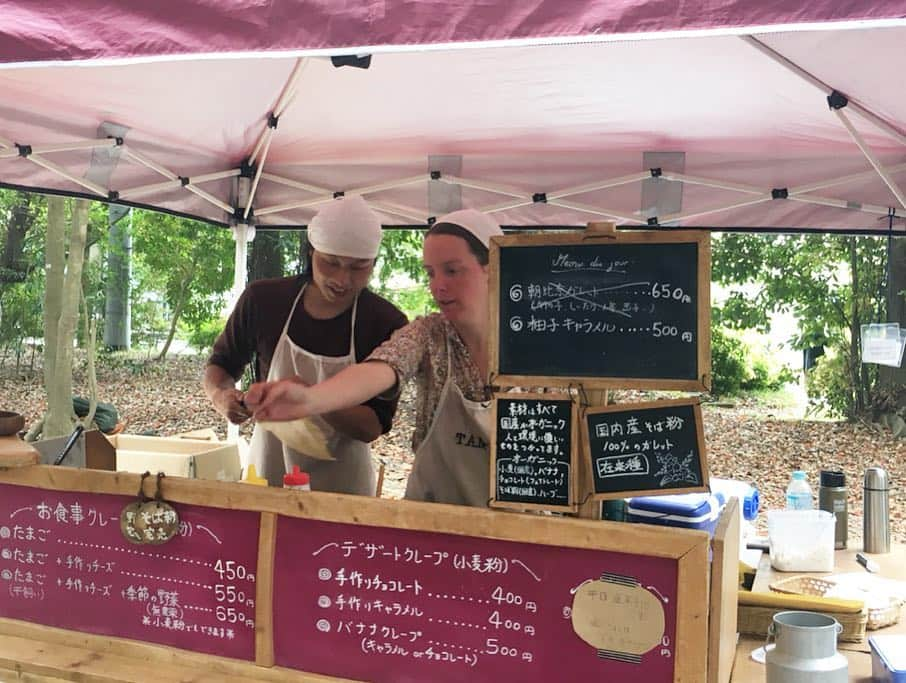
297,480
799,493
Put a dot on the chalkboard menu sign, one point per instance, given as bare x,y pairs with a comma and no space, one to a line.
533,451
624,309
64,563
646,449
386,604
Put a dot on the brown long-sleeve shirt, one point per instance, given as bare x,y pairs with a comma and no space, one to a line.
255,325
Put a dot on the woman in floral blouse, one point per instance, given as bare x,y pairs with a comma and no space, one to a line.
446,353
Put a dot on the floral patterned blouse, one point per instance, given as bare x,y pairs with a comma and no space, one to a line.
419,350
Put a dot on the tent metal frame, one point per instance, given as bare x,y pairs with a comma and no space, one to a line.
244,213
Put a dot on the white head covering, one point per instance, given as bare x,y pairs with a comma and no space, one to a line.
346,227
479,224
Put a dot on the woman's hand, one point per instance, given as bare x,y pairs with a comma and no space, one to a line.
280,401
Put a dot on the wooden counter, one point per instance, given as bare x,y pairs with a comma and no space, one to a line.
892,566
16,453
263,570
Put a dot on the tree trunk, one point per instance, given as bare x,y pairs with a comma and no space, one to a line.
91,337
13,264
60,416
117,316
855,341
266,257
303,252
177,312
895,378
55,267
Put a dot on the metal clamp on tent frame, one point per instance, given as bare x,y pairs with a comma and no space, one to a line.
515,197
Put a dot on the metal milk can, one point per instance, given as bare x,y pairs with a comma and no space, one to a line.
805,650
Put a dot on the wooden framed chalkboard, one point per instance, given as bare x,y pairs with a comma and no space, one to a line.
65,564
617,309
344,586
637,449
534,447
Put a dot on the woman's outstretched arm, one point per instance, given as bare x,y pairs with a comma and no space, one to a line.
290,399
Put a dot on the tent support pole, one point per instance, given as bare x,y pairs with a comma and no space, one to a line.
259,169
84,182
872,159
855,178
289,182
596,211
286,97
670,218
398,210
242,235
867,114
602,185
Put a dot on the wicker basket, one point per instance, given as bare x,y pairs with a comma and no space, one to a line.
757,620
756,612
877,617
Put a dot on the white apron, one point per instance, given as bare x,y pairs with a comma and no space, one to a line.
452,464
351,471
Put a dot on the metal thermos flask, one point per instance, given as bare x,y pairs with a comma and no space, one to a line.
876,511
832,498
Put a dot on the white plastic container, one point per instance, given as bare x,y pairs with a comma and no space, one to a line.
801,540
888,658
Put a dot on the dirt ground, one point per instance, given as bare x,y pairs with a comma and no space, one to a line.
744,440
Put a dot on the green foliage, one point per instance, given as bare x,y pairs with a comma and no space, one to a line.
827,385
831,283
183,264
728,363
738,367
203,335
400,275
401,253
22,287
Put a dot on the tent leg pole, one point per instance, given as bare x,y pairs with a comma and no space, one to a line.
242,234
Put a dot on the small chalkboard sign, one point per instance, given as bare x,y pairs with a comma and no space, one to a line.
646,449
533,451
628,310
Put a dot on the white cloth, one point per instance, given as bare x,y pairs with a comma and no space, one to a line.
346,227
479,224
452,463
351,470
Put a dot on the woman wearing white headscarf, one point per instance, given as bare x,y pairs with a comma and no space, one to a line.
310,328
446,352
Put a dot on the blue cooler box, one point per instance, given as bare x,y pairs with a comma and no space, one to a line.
689,510
888,658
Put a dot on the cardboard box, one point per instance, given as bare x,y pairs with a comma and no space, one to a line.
91,450
177,457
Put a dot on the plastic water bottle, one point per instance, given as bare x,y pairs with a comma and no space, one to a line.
799,493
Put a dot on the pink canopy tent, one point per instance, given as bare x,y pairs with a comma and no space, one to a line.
745,114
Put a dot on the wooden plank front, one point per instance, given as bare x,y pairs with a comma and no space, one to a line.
687,548
724,592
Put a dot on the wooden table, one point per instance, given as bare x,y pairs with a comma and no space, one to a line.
892,566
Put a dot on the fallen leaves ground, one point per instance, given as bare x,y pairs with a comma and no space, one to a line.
748,441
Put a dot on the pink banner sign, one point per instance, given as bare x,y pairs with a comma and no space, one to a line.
380,604
64,563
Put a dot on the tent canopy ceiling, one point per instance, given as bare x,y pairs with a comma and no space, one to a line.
557,118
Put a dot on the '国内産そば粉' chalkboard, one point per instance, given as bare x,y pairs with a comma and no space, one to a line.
620,309
646,448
